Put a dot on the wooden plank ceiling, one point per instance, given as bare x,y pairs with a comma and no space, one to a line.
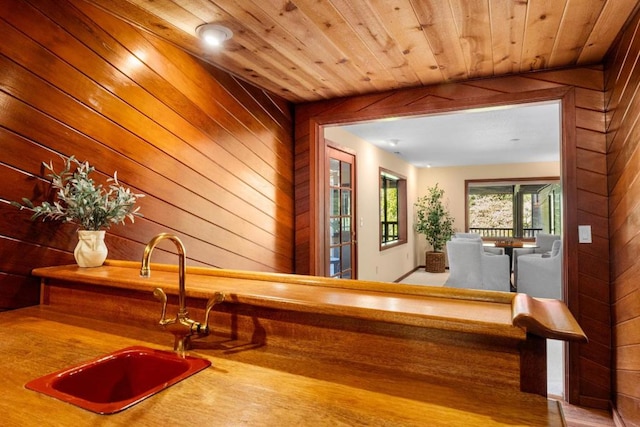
307,50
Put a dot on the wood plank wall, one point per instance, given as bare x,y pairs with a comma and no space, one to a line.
587,266
622,82
213,155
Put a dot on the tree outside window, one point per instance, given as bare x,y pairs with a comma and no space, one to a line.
393,209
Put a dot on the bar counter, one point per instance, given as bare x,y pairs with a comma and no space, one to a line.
292,350
488,312
244,385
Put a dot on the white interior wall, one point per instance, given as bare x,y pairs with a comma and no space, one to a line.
374,264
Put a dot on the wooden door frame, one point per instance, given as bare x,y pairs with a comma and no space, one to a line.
565,94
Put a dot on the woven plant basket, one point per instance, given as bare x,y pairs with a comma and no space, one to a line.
435,262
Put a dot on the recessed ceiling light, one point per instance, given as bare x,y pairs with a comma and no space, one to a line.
214,34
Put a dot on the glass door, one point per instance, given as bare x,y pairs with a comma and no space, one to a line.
341,236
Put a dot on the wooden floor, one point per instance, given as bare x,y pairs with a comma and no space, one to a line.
577,416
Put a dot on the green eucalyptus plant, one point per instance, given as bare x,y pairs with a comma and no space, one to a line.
81,201
433,218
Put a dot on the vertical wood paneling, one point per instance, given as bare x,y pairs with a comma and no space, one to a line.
212,154
623,109
584,173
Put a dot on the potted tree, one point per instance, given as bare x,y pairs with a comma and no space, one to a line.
436,223
94,208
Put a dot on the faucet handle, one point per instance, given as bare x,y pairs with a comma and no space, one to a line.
217,298
162,297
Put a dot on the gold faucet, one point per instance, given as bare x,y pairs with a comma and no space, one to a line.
181,326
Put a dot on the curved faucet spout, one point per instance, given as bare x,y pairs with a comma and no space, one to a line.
181,326
145,270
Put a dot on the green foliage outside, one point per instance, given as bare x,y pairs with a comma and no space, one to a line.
491,211
496,211
392,205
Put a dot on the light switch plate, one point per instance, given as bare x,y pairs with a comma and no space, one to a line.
584,234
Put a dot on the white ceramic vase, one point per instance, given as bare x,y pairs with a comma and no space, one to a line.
90,250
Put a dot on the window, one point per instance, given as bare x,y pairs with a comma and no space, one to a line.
393,209
514,208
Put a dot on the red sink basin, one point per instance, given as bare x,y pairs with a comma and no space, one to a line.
118,380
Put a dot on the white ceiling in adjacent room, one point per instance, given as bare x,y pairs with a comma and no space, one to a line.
496,135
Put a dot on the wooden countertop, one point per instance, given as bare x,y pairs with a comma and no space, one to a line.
485,312
245,385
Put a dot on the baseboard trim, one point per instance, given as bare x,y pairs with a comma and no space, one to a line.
413,271
408,274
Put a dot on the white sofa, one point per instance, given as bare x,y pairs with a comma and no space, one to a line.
471,267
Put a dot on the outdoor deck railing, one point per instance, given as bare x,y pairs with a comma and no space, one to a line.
389,231
527,233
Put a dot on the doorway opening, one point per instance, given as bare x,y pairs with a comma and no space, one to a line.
397,147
